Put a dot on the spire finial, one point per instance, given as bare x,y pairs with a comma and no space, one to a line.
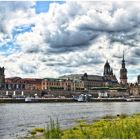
123,54
123,61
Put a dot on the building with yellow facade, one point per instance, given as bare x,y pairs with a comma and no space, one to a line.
62,84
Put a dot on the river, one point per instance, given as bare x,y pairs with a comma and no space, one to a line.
17,119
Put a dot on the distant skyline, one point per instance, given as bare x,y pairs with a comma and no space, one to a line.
55,38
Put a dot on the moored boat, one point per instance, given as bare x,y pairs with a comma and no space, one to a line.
129,99
28,100
82,98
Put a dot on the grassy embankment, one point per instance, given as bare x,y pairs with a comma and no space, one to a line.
115,127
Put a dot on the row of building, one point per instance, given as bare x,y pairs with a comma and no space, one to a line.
74,82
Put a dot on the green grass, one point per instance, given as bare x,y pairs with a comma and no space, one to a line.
114,127
53,130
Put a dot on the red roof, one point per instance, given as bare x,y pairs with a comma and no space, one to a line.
24,80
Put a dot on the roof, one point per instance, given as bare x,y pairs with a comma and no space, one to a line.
79,77
13,80
24,80
31,80
95,77
71,76
53,79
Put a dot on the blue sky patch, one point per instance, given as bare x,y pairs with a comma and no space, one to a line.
22,29
8,48
43,6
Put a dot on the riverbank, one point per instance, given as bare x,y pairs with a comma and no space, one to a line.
36,100
53,100
113,127
26,116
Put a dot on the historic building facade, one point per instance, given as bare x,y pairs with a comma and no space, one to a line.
75,83
90,81
134,89
32,83
62,84
108,75
17,83
14,83
123,73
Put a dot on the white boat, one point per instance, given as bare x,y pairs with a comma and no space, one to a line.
82,98
28,99
129,100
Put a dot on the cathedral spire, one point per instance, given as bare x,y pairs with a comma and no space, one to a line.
123,72
123,54
123,61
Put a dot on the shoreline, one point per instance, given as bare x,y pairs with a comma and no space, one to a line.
120,126
66,100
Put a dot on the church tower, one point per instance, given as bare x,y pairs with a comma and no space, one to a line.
2,77
123,72
108,76
107,69
138,79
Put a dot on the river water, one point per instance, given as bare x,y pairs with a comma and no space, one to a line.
17,119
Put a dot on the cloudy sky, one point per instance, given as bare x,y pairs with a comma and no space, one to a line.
50,39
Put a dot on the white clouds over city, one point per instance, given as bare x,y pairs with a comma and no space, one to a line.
70,37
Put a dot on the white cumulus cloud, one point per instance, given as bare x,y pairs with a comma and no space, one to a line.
73,37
